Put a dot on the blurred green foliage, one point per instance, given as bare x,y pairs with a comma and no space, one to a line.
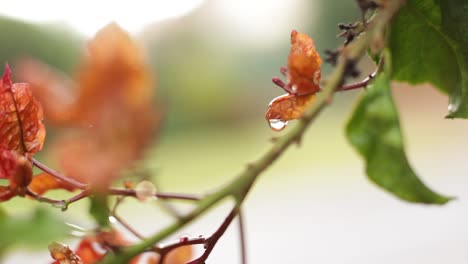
374,130
429,42
51,44
35,230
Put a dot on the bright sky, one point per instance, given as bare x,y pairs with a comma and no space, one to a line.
88,17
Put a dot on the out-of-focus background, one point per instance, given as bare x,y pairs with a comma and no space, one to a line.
214,61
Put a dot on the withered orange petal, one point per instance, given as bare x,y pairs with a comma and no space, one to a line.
44,182
304,65
287,107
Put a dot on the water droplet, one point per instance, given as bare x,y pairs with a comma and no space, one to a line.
452,108
277,124
294,88
145,191
454,104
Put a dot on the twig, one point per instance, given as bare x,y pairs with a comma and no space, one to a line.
87,191
241,185
58,175
210,242
42,199
242,239
166,196
163,251
78,197
63,204
127,226
357,85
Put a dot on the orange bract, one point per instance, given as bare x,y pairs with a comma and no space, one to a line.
18,170
179,255
21,135
303,73
92,249
304,64
21,125
50,87
44,182
63,254
110,105
287,107
113,76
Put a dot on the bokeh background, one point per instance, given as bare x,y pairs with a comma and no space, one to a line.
214,60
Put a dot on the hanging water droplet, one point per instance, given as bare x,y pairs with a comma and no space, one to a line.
452,108
454,104
277,124
145,191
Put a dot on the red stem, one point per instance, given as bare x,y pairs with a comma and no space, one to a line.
242,239
58,175
210,242
358,85
127,226
112,191
166,196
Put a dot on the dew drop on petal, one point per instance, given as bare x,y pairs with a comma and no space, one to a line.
277,124
145,191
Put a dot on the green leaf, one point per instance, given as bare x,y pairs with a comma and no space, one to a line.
374,131
455,25
428,42
99,210
35,231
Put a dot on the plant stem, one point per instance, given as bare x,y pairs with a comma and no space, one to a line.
58,175
358,85
213,239
240,186
166,196
242,238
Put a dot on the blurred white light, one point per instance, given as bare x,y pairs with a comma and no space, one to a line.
88,17
262,22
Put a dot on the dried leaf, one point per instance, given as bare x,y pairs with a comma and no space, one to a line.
304,64
52,88
21,125
304,75
179,255
23,176
8,163
109,104
44,182
93,248
287,107
88,253
113,77
6,193
18,170
63,254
